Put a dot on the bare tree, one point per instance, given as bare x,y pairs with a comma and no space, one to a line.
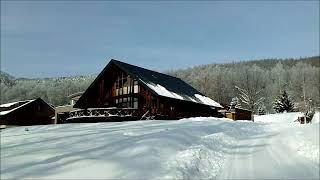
250,98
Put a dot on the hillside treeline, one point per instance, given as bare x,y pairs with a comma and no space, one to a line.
267,77
52,90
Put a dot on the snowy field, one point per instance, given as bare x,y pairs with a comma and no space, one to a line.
211,148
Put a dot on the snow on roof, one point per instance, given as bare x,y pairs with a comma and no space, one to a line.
192,99
9,104
8,111
160,84
4,112
162,91
13,103
207,100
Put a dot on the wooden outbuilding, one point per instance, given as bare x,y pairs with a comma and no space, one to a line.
239,114
26,113
62,112
127,92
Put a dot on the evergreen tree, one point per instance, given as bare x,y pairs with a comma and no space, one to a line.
283,103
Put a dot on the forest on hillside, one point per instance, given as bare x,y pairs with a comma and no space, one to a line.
264,80
52,90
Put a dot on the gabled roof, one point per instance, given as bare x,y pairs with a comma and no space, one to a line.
160,84
19,104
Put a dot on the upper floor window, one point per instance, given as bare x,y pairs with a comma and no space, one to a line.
124,85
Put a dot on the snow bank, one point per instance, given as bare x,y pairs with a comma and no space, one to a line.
316,117
301,138
191,148
286,118
202,161
304,139
187,148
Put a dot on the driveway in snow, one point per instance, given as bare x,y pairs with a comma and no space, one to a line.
275,153
194,148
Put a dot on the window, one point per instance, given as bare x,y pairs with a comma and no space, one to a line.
125,87
135,105
136,89
120,91
125,90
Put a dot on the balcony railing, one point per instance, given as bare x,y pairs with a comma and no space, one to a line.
104,112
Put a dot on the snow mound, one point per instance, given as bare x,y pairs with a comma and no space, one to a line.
286,118
316,118
193,148
304,139
195,163
301,138
203,161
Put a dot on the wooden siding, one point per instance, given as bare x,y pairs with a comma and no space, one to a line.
116,88
33,113
239,114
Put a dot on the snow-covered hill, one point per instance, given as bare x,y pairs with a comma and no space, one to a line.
194,148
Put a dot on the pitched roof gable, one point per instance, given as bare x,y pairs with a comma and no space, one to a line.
166,85
21,104
161,84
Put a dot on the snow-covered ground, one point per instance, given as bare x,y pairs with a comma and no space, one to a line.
271,147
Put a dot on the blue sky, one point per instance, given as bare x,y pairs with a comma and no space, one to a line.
52,39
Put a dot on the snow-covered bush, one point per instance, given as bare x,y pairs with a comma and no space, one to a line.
235,103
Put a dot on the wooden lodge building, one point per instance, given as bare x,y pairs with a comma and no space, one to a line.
26,113
127,92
